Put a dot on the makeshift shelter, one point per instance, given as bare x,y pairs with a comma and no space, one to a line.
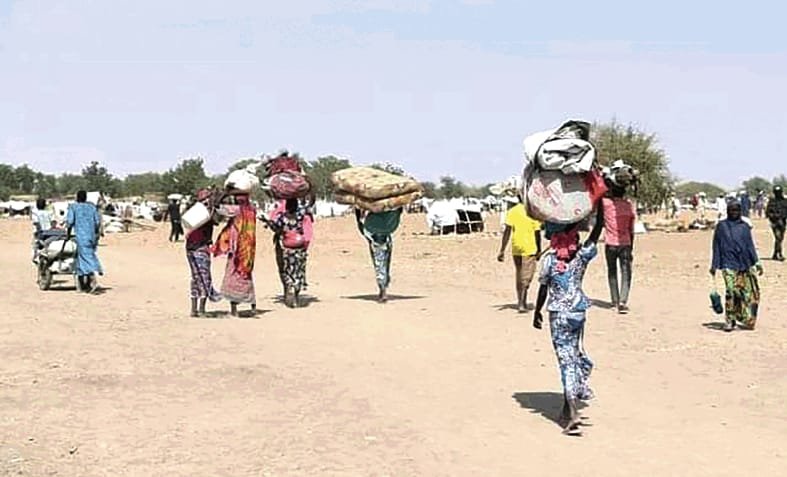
461,216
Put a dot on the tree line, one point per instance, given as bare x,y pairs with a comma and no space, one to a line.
188,176
613,142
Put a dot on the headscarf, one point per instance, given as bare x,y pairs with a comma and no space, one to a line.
239,238
565,244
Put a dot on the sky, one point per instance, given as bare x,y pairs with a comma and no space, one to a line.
439,87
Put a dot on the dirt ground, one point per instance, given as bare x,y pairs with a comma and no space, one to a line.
444,380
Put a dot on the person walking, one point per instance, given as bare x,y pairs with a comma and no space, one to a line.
293,234
238,242
198,256
173,212
620,216
561,276
377,229
745,201
777,216
735,255
84,221
759,204
524,233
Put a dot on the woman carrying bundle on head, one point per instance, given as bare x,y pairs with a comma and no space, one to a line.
561,276
198,243
377,229
238,242
292,227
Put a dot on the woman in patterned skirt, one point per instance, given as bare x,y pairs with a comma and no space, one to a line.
198,242
292,230
562,272
377,229
238,241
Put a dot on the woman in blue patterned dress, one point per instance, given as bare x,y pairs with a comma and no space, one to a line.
562,271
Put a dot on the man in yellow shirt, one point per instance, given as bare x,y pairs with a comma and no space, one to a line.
525,235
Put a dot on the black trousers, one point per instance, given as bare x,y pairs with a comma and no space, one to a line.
619,255
177,231
778,240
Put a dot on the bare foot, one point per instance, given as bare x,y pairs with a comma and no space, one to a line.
383,297
572,427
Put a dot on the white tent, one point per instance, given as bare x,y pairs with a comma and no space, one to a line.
441,213
330,209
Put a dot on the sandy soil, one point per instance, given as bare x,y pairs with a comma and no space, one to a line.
444,380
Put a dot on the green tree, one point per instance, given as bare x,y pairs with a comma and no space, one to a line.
320,171
69,184
780,180
7,181
24,180
97,178
430,190
756,184
451,188
689,189
136,185
639,149
45,185
186,178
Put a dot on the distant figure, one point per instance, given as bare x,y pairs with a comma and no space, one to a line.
619,219
675,207
377,229
703,205
198,243
777,215
238,242
293,234
721,207
128,218
735,255
173,213
745,204
561,276
759,204
41,218
85,222
525,233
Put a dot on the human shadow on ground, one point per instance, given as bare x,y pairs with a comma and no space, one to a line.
222,314
548,404
390,297
306,300
603,304
513,307
714,325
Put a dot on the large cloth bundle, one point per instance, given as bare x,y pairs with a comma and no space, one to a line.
289,185
242,180
561,182
381,205
567,148
372,184
374,190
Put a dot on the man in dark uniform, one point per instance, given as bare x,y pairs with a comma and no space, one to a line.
777,215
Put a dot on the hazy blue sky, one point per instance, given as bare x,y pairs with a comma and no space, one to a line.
440,87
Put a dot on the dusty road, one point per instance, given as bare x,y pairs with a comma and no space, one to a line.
444,380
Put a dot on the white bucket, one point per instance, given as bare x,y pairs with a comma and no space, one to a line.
197,216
